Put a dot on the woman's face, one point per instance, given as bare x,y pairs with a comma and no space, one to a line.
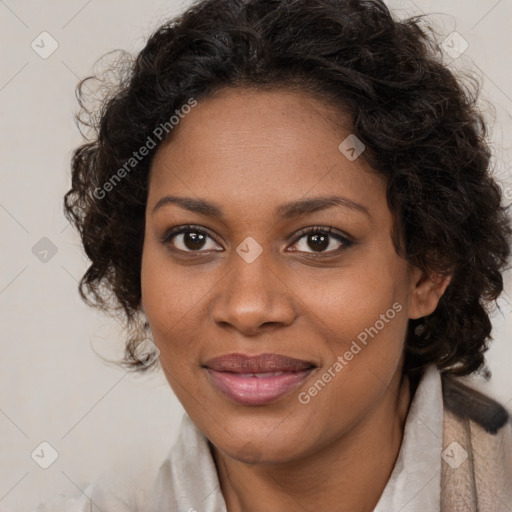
253,173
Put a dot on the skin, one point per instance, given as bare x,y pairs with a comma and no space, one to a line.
250,152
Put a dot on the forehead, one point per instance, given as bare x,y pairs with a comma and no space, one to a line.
260,148
254,116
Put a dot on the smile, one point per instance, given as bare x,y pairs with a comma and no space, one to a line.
257,380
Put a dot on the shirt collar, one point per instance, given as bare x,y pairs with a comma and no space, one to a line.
415,482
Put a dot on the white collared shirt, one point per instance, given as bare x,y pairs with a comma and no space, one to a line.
187,480
415,483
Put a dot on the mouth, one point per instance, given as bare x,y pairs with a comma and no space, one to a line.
257,380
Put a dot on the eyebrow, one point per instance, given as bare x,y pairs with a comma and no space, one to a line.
283,212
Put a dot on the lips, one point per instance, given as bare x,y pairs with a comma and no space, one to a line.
256,380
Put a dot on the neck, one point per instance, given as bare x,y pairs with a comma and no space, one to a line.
349,474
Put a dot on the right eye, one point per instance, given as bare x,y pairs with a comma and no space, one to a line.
189,239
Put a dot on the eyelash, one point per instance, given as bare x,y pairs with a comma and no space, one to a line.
344,240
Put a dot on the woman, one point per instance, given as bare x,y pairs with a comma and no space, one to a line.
293,200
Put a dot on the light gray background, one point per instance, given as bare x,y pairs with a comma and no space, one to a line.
53,387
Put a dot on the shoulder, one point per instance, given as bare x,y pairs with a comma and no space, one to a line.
477,450
119,489
62,503
468,403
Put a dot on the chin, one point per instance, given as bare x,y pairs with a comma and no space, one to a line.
263,440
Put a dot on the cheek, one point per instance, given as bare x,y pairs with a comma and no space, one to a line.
363,321
174,298
355,298
362,314
170,301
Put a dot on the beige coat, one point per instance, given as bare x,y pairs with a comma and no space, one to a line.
476,473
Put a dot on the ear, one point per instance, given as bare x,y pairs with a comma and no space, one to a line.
426,291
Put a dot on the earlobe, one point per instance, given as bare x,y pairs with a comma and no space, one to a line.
426,294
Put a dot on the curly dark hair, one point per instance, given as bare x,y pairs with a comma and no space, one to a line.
419,122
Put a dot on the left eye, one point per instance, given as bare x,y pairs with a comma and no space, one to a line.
322,240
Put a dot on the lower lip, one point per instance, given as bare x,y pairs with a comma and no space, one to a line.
257,390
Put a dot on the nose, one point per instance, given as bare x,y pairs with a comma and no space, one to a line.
252,298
